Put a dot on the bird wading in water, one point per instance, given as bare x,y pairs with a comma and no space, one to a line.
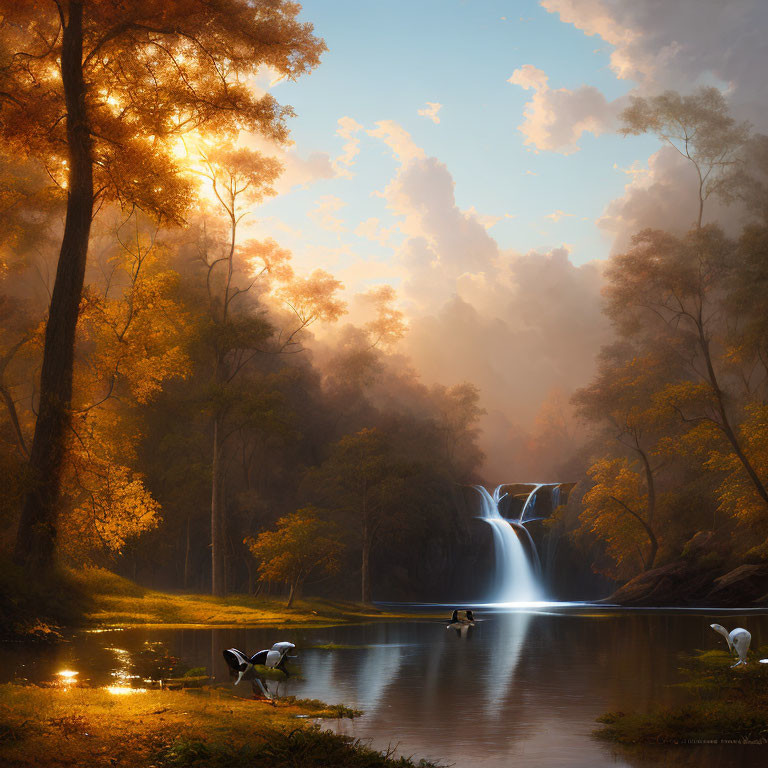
738,641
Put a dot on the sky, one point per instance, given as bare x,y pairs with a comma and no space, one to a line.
466,152
386,64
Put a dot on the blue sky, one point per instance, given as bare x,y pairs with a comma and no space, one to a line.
385,61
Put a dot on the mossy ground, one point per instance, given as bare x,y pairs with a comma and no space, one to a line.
96,597
119,602
723,705
193,727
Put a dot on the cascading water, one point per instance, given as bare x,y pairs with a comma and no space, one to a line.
515,578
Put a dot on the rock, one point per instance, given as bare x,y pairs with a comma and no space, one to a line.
682,582
744,586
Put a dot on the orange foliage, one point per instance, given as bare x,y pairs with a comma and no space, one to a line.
300,544
618,486
153,72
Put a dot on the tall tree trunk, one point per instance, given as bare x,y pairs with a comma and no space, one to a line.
651,485
38,526
217,549
291,595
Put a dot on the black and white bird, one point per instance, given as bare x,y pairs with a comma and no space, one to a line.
273,658
738,641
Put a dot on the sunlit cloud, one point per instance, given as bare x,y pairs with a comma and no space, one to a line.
348,130
636,169
298,170
371,229
487,220
555,119
431,110
529,78
323,214
558,214
397,139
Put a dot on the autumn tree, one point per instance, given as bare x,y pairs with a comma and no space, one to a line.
620,400
240,178
615,511
99,93
674,288
301,544
237,177
677,287
133,338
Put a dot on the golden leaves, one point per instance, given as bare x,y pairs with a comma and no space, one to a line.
617,488
314,297
300,543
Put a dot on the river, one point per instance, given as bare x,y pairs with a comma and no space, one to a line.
519,688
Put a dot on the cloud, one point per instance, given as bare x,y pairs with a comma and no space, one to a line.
371,229
664,197
323,213
529,78
558,214
486,219
555,119
681,45
532,325
348,130
431,110
397,139
298,171
443,242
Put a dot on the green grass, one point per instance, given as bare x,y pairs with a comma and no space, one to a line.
723,705
119,602
199,727
38,608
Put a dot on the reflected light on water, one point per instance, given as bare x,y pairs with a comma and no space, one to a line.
66,678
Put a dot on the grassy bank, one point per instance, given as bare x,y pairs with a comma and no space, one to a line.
194,727
34,609
117,602
722,705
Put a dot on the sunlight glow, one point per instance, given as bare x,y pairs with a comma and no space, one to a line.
122,690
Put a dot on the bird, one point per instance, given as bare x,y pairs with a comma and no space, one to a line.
738,641
467,620
273,657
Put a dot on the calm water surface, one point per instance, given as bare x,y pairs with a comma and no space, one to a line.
520,688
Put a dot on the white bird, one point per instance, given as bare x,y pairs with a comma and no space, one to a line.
274,658
738,641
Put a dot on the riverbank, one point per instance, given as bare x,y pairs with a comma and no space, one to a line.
97,598
119,602
723,705
702,577
66,726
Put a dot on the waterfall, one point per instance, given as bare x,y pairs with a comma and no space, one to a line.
515,579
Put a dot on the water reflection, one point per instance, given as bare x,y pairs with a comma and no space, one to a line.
520,688
507,640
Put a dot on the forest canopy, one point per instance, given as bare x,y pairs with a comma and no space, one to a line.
178,396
